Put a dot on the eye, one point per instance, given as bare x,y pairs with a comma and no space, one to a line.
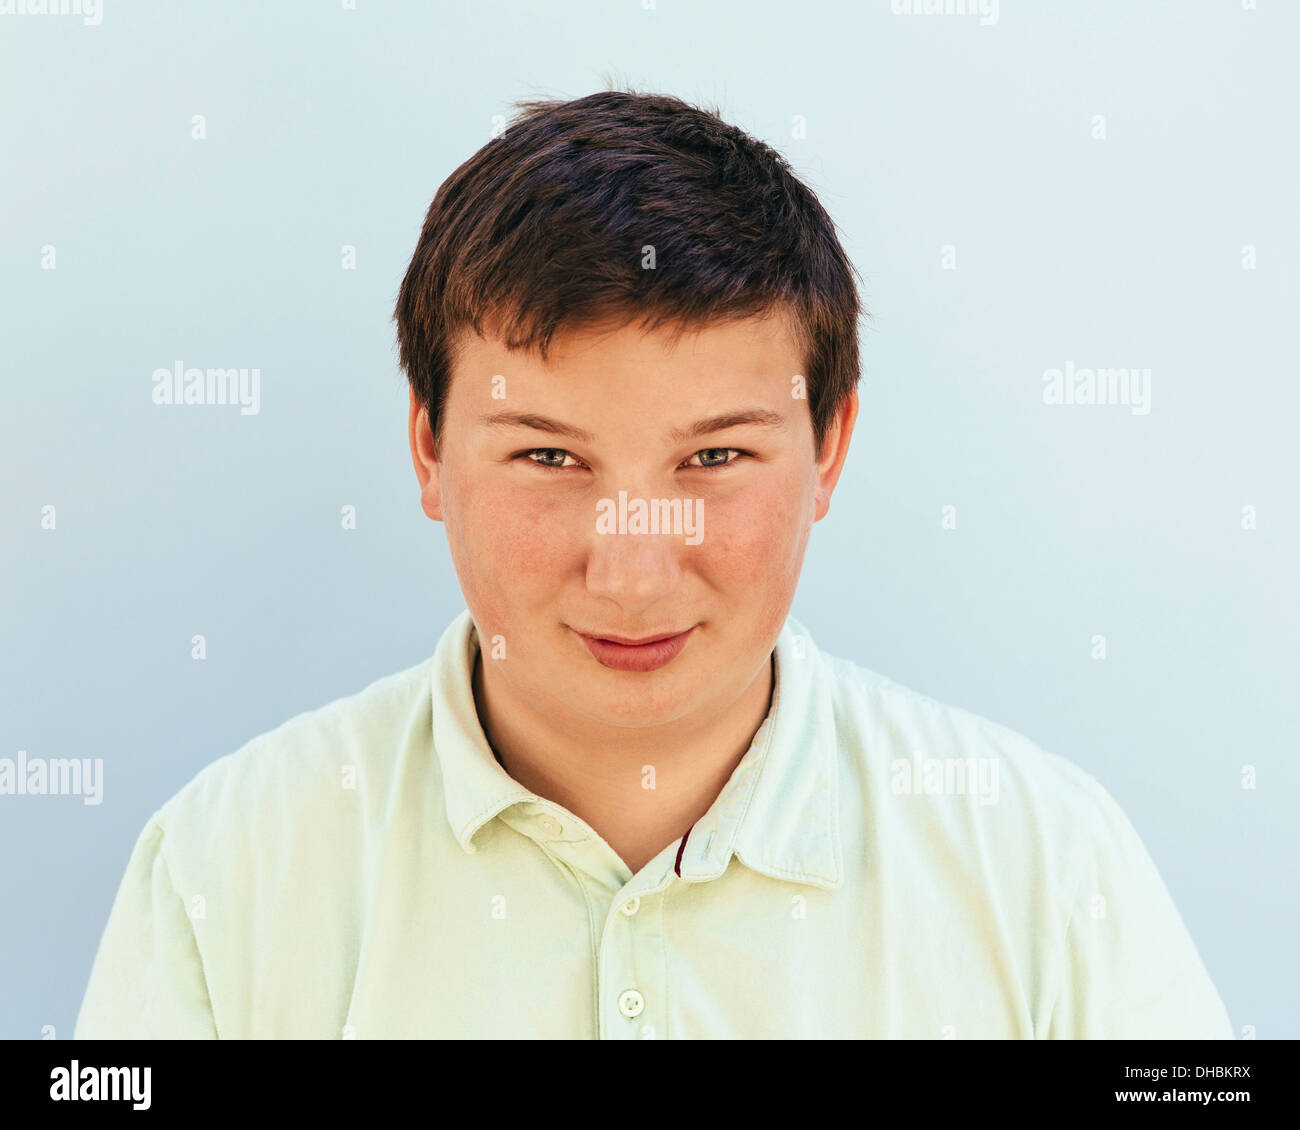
554,458
712,462
549,454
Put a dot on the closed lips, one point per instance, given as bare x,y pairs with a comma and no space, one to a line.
635,643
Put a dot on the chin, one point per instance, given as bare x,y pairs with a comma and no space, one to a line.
621,707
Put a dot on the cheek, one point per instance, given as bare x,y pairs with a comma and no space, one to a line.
756,536
508,537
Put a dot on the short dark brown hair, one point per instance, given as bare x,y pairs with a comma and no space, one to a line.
547,226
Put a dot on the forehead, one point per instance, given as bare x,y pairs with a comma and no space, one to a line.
621,359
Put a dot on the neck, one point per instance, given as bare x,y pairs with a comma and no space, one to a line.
640,790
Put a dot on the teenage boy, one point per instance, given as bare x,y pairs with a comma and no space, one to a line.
627,796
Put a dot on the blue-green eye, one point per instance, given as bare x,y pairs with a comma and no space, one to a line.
554,458
549,451
709,465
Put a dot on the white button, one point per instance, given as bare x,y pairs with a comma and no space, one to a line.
549,825
630,908
630,1002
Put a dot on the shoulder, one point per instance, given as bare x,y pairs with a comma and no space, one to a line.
938,770
319,773
869,705
257,872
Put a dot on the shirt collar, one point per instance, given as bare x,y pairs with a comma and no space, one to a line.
778,812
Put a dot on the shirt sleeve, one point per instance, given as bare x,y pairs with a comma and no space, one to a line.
1130,969
147,981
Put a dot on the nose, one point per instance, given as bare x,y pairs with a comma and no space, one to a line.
634,569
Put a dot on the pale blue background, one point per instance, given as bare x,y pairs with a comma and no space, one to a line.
329,127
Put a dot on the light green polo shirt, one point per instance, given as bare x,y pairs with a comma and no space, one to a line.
877,865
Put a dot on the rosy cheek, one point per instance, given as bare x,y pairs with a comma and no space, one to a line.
750,537
520,534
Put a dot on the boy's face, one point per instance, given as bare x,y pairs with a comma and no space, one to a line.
541,568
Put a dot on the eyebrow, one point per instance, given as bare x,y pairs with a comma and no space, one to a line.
754,417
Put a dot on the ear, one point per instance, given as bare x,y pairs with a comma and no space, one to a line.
426,463
834,451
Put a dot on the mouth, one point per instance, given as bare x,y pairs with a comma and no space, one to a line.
646,654
635,643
